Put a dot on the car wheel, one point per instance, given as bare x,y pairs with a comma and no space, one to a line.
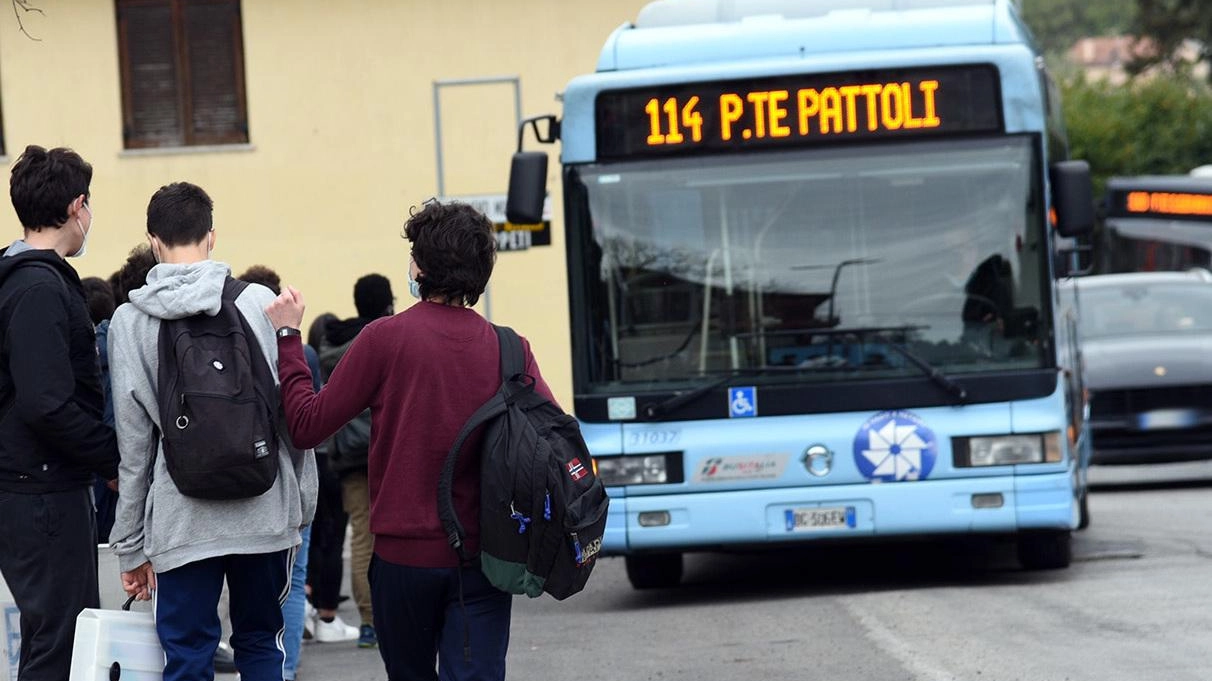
1045,550
654,571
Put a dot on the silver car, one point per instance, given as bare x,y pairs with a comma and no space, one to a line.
1146,339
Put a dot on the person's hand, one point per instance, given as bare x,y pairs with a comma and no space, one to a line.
139,582
287,309
112,485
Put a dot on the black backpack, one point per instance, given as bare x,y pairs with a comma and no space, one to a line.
219,405
542,508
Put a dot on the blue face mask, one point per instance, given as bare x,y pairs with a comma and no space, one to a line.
414,287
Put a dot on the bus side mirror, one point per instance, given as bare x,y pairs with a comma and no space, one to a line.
1072,198
527,188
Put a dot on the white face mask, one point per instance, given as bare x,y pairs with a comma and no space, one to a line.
84,244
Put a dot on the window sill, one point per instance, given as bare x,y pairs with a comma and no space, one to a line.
187,150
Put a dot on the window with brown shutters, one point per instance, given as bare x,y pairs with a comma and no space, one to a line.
182,73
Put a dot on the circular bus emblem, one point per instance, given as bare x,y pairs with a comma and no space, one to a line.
893,446
818,460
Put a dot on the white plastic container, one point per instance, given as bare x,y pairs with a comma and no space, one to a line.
112,598
113,644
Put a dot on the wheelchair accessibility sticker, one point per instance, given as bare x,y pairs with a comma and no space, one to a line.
895,446
742,402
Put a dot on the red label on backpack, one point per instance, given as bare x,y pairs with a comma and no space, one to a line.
576,470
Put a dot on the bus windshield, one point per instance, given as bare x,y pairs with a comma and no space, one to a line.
811,266
1145,308
1151,245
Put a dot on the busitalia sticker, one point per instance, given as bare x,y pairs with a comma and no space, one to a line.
729,468
895,446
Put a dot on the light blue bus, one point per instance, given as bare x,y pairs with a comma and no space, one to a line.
811,251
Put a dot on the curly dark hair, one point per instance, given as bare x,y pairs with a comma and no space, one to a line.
260,274
134,271
180,214
113,286
318,328
455,250
44,183
100,298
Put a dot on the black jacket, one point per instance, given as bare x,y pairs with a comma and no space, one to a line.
349,448
52,437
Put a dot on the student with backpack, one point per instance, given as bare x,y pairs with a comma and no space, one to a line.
422,373
52,437
193,360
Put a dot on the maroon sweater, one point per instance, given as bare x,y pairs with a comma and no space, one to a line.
422,373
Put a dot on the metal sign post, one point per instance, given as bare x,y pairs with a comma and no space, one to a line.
438,85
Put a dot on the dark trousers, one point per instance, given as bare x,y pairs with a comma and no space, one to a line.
187,620
324,562
421,624
106,501
48,556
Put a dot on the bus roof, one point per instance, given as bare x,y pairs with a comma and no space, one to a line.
686,12
1162,183
676,32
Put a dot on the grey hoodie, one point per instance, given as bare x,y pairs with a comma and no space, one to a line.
154,521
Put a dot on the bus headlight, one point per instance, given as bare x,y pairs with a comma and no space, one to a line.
1006,450
653,469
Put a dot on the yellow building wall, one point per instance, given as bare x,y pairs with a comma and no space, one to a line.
341,131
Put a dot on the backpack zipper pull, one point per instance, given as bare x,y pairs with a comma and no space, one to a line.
546,505
576,548
182,418
522,520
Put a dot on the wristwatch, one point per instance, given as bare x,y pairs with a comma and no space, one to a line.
288,331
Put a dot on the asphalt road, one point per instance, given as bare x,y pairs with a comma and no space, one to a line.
1136,605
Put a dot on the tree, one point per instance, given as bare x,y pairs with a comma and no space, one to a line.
1057,24
20,6
1160,125
1166,24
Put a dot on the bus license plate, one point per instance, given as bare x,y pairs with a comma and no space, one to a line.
840,517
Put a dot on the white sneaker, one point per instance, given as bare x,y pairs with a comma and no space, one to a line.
335,631
309,621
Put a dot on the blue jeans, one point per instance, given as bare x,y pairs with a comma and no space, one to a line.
420,622
294,608
187,618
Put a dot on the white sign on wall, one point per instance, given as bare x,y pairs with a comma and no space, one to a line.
510,237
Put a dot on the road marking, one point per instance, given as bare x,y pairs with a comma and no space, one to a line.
899,649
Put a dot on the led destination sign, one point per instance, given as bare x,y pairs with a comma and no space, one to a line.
1161,204
797,110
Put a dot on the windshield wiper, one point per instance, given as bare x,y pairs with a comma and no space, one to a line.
656,409
932,372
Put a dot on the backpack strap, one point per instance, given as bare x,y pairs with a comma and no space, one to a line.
513,362
455,533
232,288
513,354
